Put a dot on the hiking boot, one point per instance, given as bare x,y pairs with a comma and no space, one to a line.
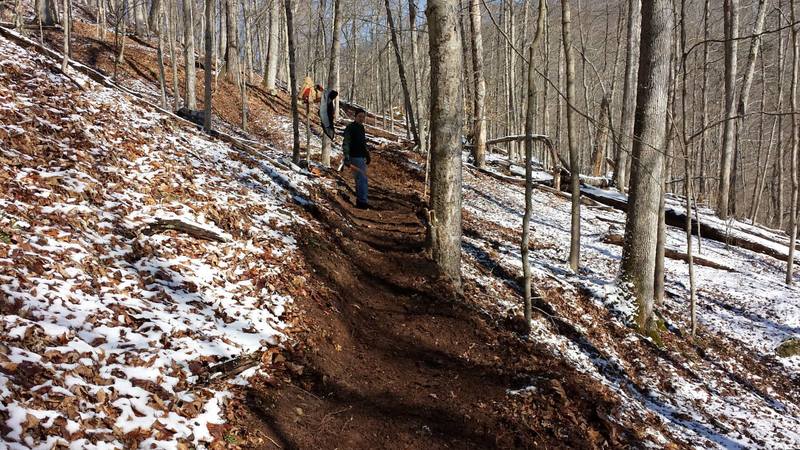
361,205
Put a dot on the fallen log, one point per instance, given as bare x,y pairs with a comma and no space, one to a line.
671,253
194,230
678,219
542,187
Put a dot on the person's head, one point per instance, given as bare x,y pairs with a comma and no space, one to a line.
361,115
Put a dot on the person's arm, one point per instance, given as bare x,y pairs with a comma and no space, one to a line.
346,145
364,141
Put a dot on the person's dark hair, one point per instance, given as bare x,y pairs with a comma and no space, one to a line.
360,111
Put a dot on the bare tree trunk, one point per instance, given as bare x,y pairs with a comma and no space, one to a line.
479,106
752,56
207,70
190,95
688,185
639,249
446,108
574,162
172,32
18,16
102,22
601,138
731,8
47,12
232,47
795,148
704,100
247,66
402,71
243,87
333,75
625,142
273,52
157,23
354,68
421,125
292,82
154,15
530,124
779,167
67,12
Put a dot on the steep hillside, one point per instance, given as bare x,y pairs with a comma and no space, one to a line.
137,255
115,326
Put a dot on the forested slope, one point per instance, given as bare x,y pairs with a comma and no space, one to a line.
114,322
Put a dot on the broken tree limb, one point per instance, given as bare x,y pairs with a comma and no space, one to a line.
194,230
557,168
678,219
542,187
671,253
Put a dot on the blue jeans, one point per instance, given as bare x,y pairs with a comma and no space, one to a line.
361,178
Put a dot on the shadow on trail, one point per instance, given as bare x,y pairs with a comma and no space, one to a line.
395,358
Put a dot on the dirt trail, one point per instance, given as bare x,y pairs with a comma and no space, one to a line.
392,358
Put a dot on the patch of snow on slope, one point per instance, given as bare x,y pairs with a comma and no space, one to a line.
106,331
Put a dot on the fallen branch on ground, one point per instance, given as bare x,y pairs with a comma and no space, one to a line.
618,239
181,226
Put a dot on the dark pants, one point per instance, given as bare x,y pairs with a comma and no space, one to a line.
361,179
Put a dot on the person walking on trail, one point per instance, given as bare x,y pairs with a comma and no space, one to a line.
356,156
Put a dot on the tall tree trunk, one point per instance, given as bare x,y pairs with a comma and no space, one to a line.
574,156
530,124
752,56
704,98
232,47
421,125
170,12
688,185
67,31
273,52
157,23
402,71
795,148
102,22
731,8
154,16
190,95
641,228
446,107
625,142
778,215
479,106
18,16
47,12
292,82
208,69
247,67
333,74
601,138
354,68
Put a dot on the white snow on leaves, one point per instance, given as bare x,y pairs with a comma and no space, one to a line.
712,403
104,328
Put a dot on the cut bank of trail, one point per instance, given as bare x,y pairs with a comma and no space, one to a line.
391,357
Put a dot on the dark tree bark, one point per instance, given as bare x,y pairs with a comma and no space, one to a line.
574,155
207,70
292,81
